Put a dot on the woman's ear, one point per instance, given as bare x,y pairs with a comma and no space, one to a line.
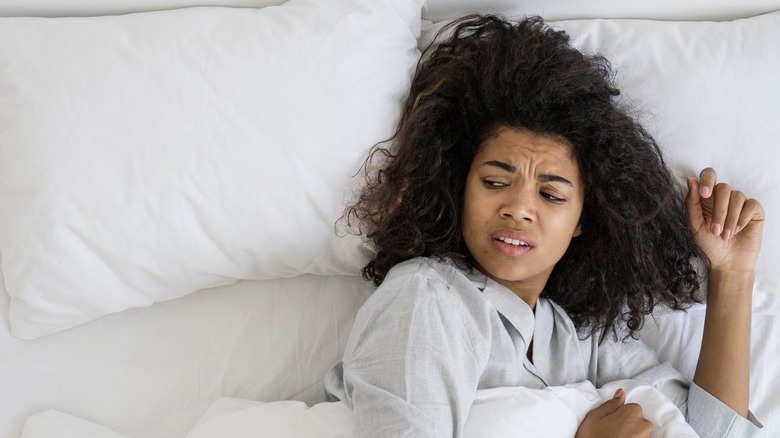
577,231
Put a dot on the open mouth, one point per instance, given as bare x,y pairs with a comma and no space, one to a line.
514,242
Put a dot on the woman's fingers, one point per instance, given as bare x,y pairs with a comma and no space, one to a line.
719,205
716,206
615,418
707,179
693,203
735,209
751,210
730,211
609,407
727,225
726,211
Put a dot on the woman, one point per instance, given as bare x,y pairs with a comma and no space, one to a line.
524,226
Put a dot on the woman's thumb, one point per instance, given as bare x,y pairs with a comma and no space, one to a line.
613,404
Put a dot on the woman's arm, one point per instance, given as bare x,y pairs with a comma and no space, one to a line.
723,368
727,226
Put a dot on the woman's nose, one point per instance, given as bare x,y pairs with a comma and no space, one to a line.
519,205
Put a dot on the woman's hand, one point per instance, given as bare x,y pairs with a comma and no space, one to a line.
726,225
615,419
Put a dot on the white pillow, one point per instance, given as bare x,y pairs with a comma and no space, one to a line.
496,413
719,10
147,156
708,92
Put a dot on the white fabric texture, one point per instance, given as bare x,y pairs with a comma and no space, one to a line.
434,9
173,360
152,372
553,412
718,10
708,93
147,156
51,423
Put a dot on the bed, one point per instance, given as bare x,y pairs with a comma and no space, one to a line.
172,172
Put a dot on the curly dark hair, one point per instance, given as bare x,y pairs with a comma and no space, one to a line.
635,251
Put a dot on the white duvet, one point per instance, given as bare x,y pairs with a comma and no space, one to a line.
499,412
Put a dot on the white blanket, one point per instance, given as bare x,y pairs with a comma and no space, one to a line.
499,412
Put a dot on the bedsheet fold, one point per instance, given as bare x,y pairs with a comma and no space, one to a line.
496,413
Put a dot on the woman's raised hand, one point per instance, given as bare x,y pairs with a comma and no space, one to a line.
726,225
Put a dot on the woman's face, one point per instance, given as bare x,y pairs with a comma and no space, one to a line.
521,208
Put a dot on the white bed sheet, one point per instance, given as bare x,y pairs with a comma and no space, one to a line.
509,412
152,372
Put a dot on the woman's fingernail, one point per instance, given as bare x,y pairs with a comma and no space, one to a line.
717,229
705,191
727,235
618,393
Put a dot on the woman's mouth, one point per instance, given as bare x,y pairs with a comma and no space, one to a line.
515,242
512,244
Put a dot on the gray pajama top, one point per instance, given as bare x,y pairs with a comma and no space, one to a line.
431,335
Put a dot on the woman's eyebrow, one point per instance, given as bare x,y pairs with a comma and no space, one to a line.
554,178
513,169
500,164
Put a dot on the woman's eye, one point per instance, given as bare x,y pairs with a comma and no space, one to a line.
551,197
491,184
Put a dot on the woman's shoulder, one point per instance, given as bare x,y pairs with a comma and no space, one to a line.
424,293
434,269
433,274
426,280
